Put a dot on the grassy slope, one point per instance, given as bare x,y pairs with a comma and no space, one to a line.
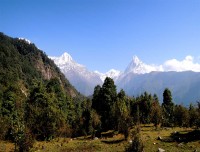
151,143
116,143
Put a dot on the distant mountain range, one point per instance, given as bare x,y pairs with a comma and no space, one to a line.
22,63
137,78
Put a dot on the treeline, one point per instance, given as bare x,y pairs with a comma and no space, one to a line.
36,101
48,113
119,112
35,105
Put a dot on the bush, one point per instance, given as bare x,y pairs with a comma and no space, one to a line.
26,141
4,127
137,144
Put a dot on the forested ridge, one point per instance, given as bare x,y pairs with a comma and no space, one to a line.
38,103
35,97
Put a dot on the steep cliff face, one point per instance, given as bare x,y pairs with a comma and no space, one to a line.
21,62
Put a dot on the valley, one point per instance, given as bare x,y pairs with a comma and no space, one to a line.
40,110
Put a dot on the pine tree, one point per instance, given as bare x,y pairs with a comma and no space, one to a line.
155,111
168,108
122,114
103,101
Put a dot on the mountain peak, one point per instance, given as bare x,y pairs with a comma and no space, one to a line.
138,67
66,57
135,66
111,73
136,60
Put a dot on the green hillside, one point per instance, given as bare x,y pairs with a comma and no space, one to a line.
38,105
22,63
36,101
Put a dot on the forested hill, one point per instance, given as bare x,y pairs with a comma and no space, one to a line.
22,64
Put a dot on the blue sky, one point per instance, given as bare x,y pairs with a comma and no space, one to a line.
105,34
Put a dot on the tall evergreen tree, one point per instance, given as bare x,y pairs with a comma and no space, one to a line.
155,111
96,100
168,108
103,101
122,113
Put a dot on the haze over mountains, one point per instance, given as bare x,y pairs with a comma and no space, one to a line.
182,77
77,74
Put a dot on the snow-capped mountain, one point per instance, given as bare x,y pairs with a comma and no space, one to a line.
138,77
66,63
138,67
114,74
82,79
173,74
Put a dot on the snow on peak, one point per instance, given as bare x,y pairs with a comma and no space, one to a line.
111,73
138,67
136,60
26,40
187,64
65,58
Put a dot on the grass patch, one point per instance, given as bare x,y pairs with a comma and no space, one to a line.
115,142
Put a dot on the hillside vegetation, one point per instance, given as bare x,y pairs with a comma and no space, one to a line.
36,101
38,107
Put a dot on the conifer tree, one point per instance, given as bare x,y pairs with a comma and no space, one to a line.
103,101
156,111
122,113
168,108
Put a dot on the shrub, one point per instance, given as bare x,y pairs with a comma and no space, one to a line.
136,144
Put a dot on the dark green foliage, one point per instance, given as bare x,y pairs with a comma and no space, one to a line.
36,101
4,127
42,113
145,104
186,137
168,108
181,116
193,116
156,112
23,62
94,123
122,116
141,108
8,104
198,112
96,100
26,141
103,101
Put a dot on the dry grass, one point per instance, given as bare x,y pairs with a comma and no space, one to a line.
116,143
151,142
6,146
